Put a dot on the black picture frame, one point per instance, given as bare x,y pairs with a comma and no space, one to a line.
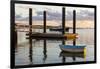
13,39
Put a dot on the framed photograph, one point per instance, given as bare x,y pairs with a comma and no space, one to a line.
52,34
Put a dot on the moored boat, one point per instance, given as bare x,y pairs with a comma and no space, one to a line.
58,29
72,48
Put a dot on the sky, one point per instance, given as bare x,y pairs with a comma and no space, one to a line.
53,12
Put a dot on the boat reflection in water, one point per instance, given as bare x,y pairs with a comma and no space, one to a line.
73,55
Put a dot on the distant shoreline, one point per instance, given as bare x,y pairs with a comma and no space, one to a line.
83,28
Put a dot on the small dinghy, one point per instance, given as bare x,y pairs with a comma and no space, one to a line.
58,29
72,48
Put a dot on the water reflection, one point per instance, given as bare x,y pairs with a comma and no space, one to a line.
16,42
62,54
45,50
69,54
30,51
74,43
63,58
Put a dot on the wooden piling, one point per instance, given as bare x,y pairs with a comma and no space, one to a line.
74,25
63,23
74,22
44,21
30,22
44,31
30,33
63,20
74,30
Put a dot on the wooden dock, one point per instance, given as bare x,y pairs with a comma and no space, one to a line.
53,35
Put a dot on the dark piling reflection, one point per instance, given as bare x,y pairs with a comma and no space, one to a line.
30,51
16,41
63,57
44,50
74,43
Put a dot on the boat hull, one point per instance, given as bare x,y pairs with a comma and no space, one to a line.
71,48
58,29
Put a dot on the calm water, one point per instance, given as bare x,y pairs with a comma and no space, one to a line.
52,53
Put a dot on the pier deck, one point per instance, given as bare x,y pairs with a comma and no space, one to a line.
53,35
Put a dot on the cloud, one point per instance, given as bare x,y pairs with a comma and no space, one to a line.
50,15
85,15
18,17
81,15
39,13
